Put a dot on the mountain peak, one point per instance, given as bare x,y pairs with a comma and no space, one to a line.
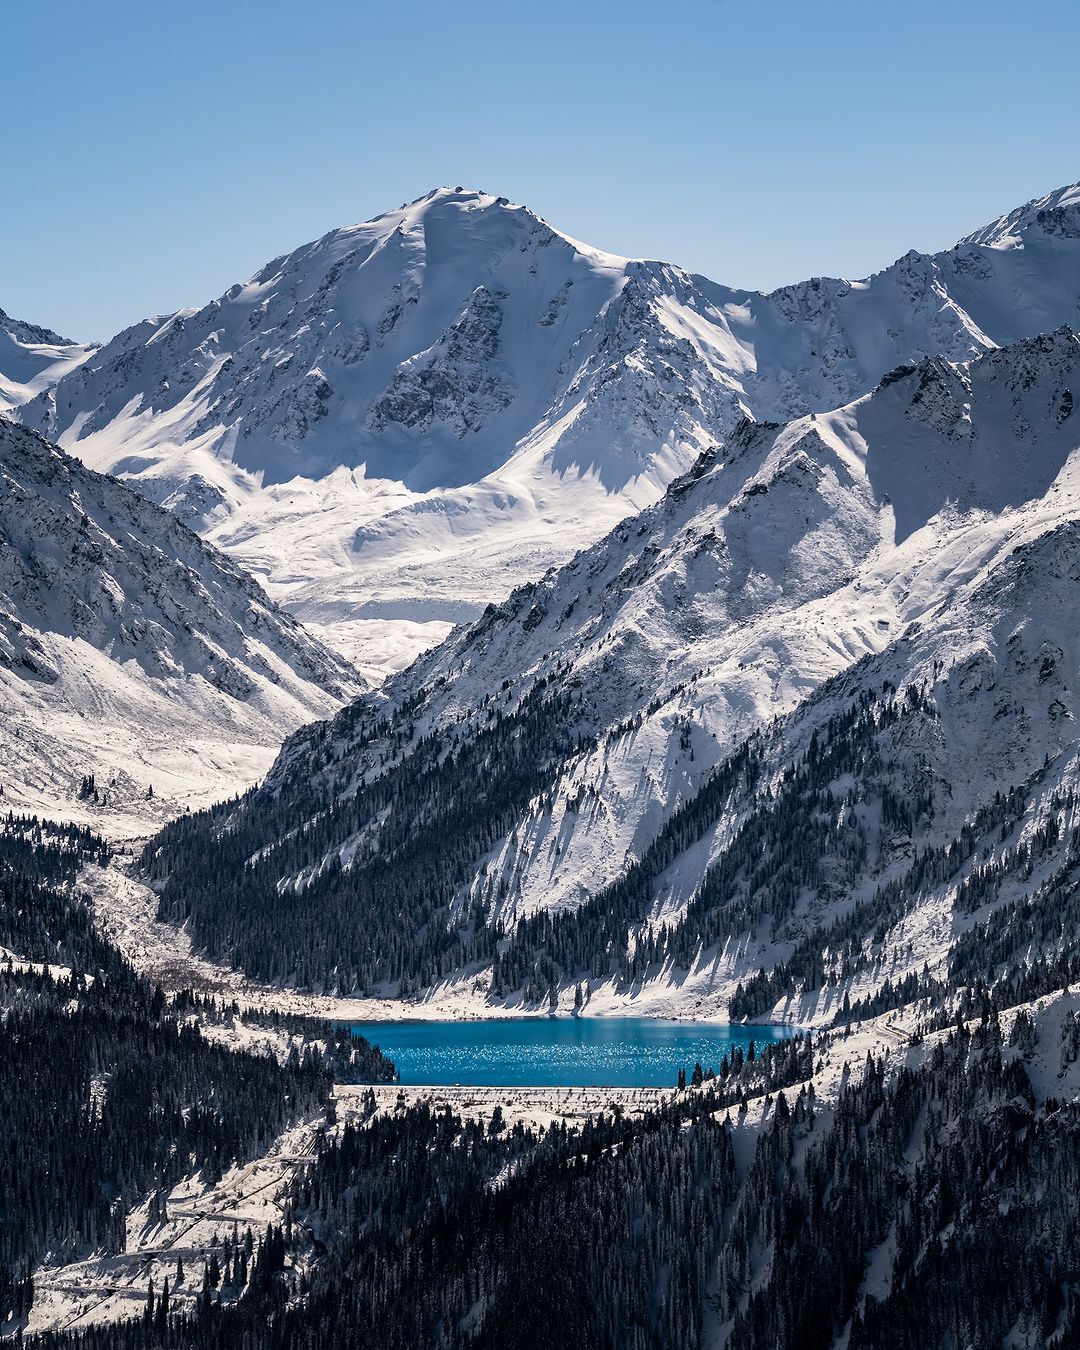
456,369
445,192
1057,213
445,198
33,359
32,334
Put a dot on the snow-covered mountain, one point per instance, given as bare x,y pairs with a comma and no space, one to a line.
835,648
33,359
394,425
132,651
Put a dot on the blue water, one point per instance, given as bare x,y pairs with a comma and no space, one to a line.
557,1051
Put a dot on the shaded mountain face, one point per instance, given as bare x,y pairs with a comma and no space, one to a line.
398,423
33,359
132,651
734,726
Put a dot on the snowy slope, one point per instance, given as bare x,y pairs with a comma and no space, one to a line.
132,650
403,420
924,535
32,359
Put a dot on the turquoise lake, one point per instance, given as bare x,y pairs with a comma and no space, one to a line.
557,1051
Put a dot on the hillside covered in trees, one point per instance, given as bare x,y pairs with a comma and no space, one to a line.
747,749
934,1206
109,1090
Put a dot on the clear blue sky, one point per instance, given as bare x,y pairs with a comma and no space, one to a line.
156,152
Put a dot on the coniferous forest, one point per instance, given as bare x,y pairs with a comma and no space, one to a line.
936,1204
391,915
932,1200
932,1204
109,1090
936,1207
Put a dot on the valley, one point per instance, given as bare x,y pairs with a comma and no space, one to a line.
460,679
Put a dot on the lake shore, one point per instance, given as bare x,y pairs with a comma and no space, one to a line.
125,911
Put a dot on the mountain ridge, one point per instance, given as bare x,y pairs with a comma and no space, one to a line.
132,652
33,359
834,577
468,394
